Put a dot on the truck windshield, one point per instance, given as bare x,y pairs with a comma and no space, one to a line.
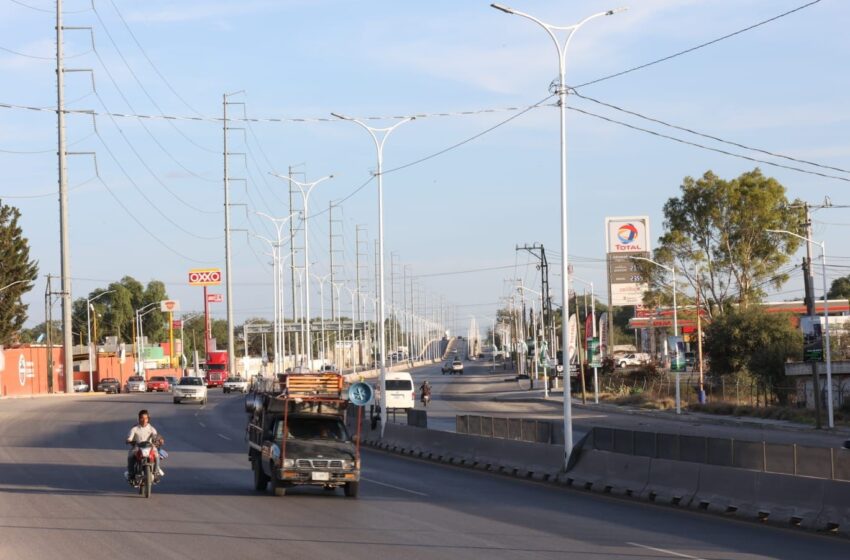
312,428
216,367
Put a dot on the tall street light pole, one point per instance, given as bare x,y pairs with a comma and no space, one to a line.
277,260
384,133
306,189
672,270
322,280
822,245
561,89
88,327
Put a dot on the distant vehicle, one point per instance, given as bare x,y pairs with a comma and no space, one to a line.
136,384
457,367
172,380
109,385
459,337
400,392
216,368
235,384
447,368
158,383
190,388
633,359
329,367
80,386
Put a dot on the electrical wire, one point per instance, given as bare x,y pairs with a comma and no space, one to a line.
167,246
147,94
697,47
704,147
50,151
709,136
36,57
52,193
46,10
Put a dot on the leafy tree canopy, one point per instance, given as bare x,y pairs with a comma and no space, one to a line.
17,273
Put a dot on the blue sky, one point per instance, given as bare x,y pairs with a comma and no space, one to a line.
780,87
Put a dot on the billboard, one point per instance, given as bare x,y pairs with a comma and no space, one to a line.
205,277
169,305
626,237
627,234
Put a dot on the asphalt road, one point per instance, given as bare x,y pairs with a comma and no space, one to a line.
62,496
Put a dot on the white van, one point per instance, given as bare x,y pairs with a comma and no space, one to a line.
401,393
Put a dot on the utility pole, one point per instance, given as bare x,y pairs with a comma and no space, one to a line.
228,268
360,301
64,239
810,309
293,230
335,265
48,318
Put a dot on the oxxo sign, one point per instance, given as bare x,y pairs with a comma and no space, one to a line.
205,277
169,305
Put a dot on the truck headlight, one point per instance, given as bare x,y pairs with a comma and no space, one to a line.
288,463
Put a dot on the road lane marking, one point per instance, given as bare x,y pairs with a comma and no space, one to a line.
222,436
664,551
414,492
202,424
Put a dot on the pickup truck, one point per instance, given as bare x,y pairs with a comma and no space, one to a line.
633,359
297,435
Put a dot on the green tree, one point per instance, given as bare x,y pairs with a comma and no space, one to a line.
840,288
17,273
720,226
750,340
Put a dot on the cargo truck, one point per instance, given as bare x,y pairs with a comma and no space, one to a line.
297,434
216,369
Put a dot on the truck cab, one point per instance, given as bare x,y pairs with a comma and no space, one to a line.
297,435
216,370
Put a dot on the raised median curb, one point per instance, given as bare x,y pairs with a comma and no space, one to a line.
668,469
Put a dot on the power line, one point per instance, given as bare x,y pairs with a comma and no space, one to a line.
36,57
132,215
697,47
704,147
46,10
710,137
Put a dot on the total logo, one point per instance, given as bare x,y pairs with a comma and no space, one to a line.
627,234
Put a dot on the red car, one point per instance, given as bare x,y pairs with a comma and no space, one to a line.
158,383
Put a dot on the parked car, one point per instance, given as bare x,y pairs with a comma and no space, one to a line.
158,383
190,388
235,384
400,392
136,384
80,386
109,385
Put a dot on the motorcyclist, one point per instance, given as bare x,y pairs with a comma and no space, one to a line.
425,391
142,432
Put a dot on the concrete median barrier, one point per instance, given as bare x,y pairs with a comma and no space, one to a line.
835,514
726,490
789,500
671,482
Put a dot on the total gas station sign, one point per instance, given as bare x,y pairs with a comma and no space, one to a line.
205,277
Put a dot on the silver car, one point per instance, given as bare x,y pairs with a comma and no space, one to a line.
136,384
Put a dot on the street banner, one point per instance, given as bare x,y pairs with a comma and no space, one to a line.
215,298
588,329
676,347
177,324
573,339
812,338
603,334
593,357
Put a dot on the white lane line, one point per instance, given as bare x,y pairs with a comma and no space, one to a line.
664,551
202,424
222,436
414,492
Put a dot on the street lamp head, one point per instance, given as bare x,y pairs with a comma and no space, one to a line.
616,11
502,8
